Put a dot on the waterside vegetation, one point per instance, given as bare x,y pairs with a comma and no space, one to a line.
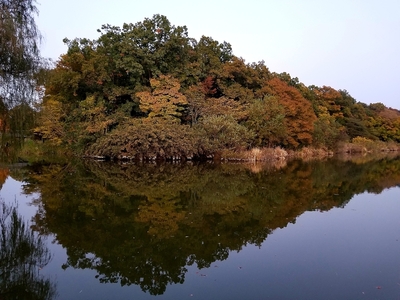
147,91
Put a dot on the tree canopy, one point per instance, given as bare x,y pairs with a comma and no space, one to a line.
183,97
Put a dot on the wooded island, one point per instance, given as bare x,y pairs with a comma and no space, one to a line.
148,91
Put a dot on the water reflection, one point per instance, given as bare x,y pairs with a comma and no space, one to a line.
145,224
22,256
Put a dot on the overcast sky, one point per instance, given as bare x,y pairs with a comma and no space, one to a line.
352,45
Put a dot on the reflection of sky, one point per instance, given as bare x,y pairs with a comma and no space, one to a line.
345,253
11,192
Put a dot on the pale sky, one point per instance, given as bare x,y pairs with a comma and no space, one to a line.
352,45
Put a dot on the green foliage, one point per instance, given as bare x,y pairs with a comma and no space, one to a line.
378,107
222,132
34,150
21,119
327,131
266,120
385,129
356,127
211,56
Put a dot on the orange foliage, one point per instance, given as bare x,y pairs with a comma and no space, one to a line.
390,113
328,93
209,88
4,127
165,100
3,176
299,114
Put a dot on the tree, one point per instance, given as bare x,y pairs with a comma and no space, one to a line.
266,120
19,51
241,81
221,132
21,119
196,98
211,55
147,49
50,120
326,130
165,100
299,114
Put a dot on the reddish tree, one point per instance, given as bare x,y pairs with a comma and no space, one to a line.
299,114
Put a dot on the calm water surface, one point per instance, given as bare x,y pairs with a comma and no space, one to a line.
319,230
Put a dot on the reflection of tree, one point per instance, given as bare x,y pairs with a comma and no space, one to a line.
143,224
22,255
4,172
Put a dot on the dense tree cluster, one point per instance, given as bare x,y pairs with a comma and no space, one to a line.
148,90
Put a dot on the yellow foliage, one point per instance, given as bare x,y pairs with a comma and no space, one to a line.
361,140
164,100
50,117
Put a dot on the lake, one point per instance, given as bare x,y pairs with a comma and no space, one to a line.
288,230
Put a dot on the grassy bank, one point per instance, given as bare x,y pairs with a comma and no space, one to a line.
358,146
32,151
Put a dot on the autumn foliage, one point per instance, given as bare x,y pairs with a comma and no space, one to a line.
299,116
150,84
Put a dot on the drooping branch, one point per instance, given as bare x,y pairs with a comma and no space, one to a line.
19,51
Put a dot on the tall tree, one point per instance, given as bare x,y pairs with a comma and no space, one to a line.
19,51
299,114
